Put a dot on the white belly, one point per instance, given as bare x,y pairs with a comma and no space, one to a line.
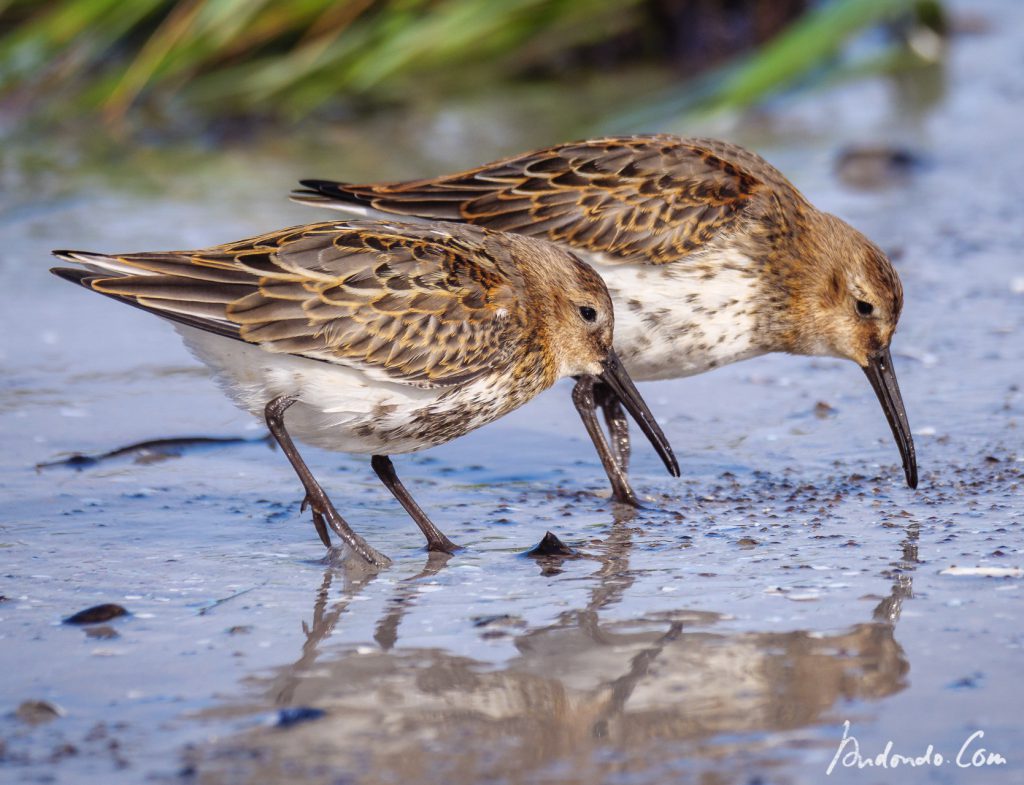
341,408
681,319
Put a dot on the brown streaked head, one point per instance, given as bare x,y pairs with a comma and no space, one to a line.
845,299
572,305
577,323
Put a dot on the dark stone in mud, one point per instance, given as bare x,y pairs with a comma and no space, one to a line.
876,166
97,614
823,410
972,682
498,620
38,712
62,751
294,715
550,545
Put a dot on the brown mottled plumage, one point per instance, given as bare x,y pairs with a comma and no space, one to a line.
709,252
649,199
377,337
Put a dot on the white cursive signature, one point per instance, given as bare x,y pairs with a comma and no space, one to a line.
970,755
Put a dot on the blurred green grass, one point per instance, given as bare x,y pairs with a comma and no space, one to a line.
289,59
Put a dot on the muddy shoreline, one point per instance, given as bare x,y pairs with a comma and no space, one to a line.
789,582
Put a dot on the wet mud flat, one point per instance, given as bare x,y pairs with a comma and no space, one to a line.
788,583
636,680
729,642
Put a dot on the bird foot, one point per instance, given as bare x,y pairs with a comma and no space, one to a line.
325,515
626,496
444,545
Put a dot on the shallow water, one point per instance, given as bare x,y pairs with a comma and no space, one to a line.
788,583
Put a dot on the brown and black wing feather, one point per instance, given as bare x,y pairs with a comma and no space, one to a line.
86,278
647,199
429,305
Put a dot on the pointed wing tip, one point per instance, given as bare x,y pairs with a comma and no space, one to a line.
319,185
323,192
88,258
318,192
305,196
73,274
68,256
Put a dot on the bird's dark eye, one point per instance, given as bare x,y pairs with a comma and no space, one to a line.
588,313
864,308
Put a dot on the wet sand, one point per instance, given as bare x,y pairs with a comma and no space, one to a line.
788,583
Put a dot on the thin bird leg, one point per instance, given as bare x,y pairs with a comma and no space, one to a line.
618,425
436,540
324,513
583,398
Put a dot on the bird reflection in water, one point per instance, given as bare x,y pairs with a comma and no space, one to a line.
582,700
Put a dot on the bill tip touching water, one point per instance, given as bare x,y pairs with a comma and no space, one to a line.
378,337
711,256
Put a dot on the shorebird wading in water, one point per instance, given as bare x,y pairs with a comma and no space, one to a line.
709,252
378,337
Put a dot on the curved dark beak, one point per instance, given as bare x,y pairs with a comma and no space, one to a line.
883,379
615,376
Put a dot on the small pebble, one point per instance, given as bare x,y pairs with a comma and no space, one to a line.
97,614
550,545
38,712
294,715
875,166
823,410
498,620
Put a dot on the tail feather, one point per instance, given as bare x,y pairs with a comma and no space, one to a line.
326,193
332,189
98,262
73,274
172,287
355,201
178,264
96,277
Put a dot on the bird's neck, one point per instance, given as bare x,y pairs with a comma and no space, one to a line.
793,285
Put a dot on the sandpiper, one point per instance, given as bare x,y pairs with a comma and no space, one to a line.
378,337
709,252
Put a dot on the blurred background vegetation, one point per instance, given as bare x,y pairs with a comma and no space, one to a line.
133,63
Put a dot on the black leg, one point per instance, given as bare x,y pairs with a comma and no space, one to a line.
436,540
583,398
618,425
324,514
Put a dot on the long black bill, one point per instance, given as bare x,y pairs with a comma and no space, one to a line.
883,378
615,376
